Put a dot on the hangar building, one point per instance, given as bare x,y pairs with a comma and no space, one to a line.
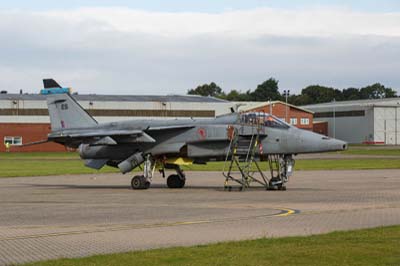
24,117
375,121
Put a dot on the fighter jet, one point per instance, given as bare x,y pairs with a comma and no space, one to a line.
236,138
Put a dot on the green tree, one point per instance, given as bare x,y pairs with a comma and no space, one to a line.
390,93
235,95
320,94
268,90
338,95
351,94
376,91
300,99
211,89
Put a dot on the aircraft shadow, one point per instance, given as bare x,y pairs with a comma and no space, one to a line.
161,186
127,187
69,186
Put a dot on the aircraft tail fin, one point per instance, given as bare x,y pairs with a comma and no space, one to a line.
64,111
50,83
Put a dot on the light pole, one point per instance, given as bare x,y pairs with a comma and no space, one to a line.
334,118
286,94
270,107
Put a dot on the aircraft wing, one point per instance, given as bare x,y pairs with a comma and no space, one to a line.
170,127
33,143
111,136
103,133
138,135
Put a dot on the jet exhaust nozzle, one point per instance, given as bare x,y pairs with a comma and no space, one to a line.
131,162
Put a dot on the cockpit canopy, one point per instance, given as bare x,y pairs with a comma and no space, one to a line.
265,119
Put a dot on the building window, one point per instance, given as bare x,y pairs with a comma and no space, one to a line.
293,121
340,114
13,140
305,121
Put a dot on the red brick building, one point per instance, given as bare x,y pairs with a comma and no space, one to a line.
321,127
15,134
297,116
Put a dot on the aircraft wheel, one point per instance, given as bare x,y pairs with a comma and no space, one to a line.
182,182
283,188
175,181
140,182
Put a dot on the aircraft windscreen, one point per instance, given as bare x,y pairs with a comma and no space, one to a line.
262,119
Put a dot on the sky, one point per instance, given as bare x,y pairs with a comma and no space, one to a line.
168,47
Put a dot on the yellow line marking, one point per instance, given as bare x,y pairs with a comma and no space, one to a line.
104,229
287,213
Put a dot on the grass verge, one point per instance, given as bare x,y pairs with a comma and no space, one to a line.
372,151
378,246
38,155
42,164
320,164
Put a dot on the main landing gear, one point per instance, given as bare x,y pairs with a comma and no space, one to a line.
177,180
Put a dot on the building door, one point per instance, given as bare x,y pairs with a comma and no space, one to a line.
398,126
390,123
385,125
379,125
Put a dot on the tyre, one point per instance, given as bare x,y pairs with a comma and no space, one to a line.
182,182
175,181
139,182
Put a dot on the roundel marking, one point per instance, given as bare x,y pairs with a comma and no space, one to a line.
202,133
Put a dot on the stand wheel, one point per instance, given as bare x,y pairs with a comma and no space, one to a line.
229,188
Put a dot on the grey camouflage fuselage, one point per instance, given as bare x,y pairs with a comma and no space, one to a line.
128,144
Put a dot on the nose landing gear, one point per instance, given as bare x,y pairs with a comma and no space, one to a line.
281,168
140,182
144,181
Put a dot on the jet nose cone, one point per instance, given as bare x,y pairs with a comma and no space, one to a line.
345,146
310,142
335,144
340,145
330,144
